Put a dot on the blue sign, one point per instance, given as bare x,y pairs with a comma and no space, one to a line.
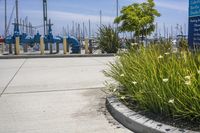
194,8
194,23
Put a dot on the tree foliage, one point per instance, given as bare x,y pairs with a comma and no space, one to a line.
108,39
138,18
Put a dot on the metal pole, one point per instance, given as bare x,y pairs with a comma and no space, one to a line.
83,31
100,18
17,14
73,29
23,26
172,33
164,30
76,30
89,29
5,18
57,48
26,23
20,24
67,32
28,27
185,29
44,19
156,30
167,33
79,32
117,10
45,16
5,25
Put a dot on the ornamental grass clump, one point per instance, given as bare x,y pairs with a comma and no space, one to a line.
160,81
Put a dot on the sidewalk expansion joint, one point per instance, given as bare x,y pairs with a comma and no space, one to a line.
51,91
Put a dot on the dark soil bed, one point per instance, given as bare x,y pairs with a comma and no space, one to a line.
180,123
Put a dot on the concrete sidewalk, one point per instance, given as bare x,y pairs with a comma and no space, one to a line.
61,95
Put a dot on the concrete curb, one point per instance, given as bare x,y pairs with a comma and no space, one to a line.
136,122
54,56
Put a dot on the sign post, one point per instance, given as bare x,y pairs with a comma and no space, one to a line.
194,24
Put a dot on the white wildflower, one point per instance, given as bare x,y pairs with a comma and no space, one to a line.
134,44
134,82
123,97
122,75
188,82
187,77
160,57
175,50
159,96
167,53
165,80
115,90
171,101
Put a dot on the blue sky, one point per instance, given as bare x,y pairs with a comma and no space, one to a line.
63,12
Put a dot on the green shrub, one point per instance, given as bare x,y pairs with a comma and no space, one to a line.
160,81
183,45
108,39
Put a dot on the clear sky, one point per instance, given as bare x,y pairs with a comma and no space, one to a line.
63,12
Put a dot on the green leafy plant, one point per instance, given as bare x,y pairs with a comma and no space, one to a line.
160,81
108,39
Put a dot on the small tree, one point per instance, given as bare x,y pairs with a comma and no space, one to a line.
108,39
138,18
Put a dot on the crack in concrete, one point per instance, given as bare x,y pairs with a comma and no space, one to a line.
13,77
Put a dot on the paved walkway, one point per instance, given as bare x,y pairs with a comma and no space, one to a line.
54,96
